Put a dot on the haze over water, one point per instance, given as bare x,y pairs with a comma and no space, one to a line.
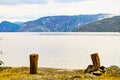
60,50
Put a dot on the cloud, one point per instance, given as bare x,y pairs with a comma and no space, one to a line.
27,12
69,1
15,2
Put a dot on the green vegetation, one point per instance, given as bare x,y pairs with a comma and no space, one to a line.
105,25
22,73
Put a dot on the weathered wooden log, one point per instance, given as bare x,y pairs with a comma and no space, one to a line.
95,60
33,63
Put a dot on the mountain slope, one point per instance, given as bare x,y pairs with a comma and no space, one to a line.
6,26
105,25
59,23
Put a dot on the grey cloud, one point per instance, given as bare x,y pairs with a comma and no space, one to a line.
14,2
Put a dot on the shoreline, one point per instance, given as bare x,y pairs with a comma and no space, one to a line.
22,73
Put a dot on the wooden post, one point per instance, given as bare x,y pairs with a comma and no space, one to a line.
95,60
33,63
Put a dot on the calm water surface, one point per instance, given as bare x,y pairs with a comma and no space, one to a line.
60,50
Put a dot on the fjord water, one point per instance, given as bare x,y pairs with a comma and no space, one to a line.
60,50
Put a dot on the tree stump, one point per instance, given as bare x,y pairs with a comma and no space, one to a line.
95,60
33,63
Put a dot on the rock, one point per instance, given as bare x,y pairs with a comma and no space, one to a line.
102,69
90,69
93,70
97,73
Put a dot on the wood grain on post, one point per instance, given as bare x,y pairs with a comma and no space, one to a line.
33,63
95,60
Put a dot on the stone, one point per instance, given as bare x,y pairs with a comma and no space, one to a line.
90,69
102,69
97,73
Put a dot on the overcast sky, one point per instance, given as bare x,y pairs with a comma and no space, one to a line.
26,10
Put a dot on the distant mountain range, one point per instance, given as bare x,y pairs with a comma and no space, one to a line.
105,25
52,24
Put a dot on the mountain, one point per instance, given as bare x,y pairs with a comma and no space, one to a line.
105,25
6,26
60,23
52,23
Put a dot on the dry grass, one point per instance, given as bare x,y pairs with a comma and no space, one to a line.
22,73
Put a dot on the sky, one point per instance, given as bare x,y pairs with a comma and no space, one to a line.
27,10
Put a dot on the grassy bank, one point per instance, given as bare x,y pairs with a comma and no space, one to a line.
22,73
